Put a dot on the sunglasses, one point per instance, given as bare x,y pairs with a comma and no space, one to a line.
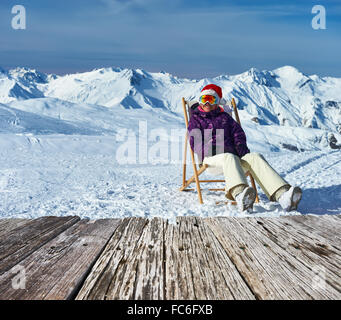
208,98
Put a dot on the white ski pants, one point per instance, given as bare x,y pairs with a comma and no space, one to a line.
234,169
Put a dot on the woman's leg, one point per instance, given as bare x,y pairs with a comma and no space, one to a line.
233,171
231,167
235,178
268,179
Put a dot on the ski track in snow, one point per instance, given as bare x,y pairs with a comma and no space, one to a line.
41,180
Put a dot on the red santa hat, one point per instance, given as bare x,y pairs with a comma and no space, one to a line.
213,90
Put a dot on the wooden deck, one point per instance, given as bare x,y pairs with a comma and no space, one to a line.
296,257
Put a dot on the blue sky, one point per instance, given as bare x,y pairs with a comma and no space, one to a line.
187,38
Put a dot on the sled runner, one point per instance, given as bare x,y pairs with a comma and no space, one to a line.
188,107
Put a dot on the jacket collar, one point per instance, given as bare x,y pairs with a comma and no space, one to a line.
209,114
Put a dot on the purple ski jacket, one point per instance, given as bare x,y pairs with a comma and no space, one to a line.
215,132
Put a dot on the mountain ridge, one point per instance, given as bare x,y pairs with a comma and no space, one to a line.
284,96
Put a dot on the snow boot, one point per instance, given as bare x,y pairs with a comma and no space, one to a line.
290,199
245,199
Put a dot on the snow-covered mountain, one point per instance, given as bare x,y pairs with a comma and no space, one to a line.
98,100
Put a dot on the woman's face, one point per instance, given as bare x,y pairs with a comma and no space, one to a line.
209,107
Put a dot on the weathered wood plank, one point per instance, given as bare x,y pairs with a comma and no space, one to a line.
334,222
271,271
6,225
197,267
335,217
175,286
214,258
319,225
148,264
130,266
55,270
311,250
21,241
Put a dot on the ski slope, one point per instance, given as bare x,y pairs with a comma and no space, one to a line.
108,143
80,175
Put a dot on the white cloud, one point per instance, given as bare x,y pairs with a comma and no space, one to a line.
117,6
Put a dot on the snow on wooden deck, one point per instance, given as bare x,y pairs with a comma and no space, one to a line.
292,257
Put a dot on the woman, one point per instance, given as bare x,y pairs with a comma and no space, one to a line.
220,142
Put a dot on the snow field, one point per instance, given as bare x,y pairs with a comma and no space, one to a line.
79,175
